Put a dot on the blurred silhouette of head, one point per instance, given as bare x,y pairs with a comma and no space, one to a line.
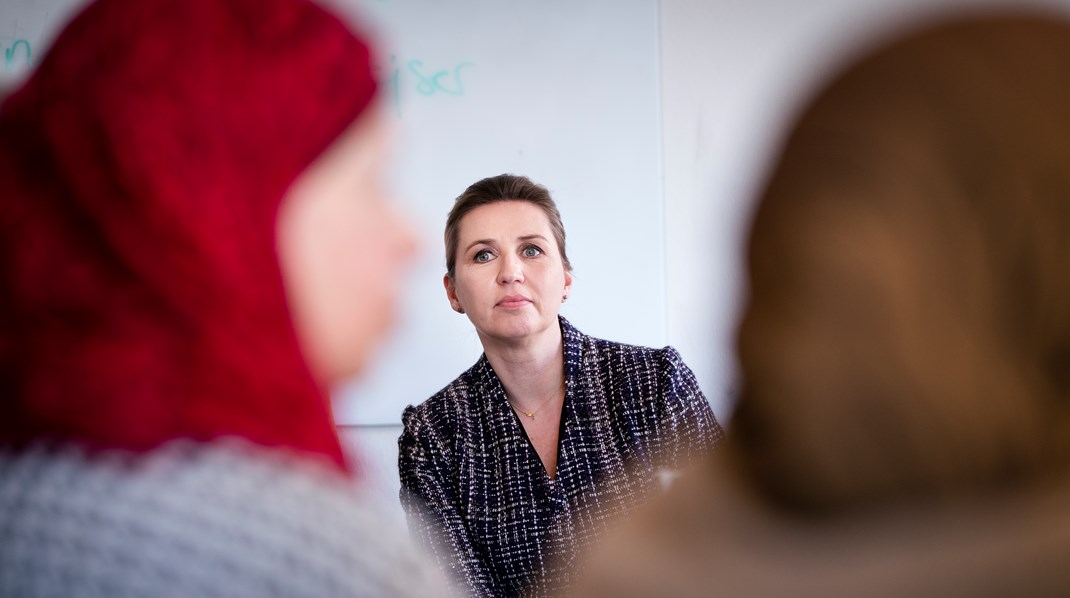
907,332
157,167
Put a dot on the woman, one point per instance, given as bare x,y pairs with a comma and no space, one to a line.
195,245
511,469
904,422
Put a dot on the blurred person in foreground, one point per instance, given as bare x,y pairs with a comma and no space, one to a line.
195,245
904,425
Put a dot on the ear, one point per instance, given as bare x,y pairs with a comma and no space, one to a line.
451,293
568,283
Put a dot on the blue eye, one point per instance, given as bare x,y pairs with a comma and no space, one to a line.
483,255
531,251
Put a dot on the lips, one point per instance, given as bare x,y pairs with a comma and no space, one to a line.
513,301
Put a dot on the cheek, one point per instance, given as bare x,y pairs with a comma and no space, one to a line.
370,252
359,303
474,286
550,277
342,265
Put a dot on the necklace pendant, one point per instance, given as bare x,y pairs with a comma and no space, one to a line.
529,414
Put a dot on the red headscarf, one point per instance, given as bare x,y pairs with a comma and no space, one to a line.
141,170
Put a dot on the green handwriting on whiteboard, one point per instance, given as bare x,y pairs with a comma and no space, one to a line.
415,75
13,50
404,76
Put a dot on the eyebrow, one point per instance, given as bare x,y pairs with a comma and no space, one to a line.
492,242
479,242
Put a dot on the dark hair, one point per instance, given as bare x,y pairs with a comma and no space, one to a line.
504,187
907,331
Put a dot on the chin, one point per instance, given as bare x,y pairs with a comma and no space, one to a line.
351,369
352,360
518,328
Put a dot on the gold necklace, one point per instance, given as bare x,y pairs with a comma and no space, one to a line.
531,414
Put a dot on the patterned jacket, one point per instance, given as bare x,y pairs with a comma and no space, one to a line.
478,496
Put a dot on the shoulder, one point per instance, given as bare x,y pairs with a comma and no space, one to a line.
635,371
597,356
446,404
622,355
137,512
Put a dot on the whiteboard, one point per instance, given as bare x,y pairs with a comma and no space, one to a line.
563,91
26,30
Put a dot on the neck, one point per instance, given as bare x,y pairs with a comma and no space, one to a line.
531,371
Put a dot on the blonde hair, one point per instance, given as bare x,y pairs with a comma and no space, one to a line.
504,187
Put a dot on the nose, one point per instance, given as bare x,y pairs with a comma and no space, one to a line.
405,245
510,269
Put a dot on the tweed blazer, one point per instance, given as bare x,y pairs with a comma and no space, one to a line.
478,496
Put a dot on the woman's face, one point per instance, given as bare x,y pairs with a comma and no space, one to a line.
509,278
342,250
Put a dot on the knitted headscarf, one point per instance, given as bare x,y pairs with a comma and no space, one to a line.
141,170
